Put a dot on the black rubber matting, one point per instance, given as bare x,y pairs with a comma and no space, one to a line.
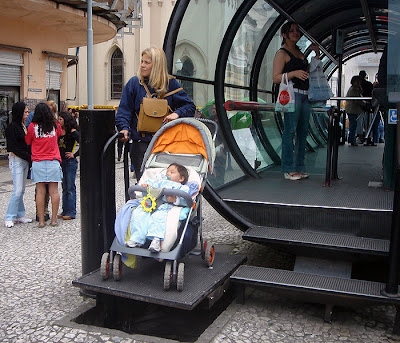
325,284
312,238
358,166
146,282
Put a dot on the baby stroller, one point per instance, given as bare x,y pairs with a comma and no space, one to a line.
189,142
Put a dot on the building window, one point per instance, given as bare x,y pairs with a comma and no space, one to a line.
187,70
117,74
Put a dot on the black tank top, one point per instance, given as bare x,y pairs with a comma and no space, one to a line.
296,63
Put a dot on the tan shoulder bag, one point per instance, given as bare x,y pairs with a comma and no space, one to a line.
153,111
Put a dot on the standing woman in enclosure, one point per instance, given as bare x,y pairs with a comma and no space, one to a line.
290,60
19,159
43,135
153,72
67,144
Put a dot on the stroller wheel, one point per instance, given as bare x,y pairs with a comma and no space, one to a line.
117,267
167,275
180,277
210,254
105,266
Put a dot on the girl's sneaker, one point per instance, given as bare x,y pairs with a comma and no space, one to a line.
304,175
292,176
23,220
9,223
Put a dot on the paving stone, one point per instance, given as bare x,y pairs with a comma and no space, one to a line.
40,264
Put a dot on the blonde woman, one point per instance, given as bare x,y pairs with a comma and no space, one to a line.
53,107
153,72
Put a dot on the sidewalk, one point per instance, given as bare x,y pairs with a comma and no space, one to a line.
36,294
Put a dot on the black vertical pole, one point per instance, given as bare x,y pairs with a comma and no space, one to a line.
329,149
335,147
392,285
340,74
127,166
96,127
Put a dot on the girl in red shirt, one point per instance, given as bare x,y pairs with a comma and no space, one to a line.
43,136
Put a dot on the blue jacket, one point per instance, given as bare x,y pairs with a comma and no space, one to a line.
131,99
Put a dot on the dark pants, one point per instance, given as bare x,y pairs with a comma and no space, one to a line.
138,150
352,127
120,145
69,168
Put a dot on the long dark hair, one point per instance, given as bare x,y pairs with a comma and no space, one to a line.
69,122
18,112
285,29
44,118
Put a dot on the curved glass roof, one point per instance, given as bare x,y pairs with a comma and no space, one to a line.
230,46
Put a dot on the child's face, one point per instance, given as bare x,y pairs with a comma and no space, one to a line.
174,175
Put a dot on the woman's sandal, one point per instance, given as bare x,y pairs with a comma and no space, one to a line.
54,224
41,226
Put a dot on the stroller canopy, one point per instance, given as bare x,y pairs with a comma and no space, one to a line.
183,136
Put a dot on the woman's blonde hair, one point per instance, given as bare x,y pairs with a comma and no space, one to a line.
159,77
53,107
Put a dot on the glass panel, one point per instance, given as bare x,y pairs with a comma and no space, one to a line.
199,38
269,123
247,40
226,168
244,131
200,93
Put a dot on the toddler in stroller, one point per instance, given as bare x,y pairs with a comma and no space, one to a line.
149,220
188,142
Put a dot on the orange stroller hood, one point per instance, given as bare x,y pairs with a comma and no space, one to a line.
181,139
183,136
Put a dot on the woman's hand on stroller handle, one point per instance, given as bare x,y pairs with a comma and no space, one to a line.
123,135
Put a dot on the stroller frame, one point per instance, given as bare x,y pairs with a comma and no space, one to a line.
174,270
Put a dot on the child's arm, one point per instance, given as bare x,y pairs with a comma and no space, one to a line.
170,198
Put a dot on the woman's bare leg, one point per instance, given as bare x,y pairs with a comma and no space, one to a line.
55,201
40,194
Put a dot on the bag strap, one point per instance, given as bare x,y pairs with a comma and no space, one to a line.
168,94
147,90
284,80
172,92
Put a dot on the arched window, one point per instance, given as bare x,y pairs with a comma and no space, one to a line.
117,74
187,70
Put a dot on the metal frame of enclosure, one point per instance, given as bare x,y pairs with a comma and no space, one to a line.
249,193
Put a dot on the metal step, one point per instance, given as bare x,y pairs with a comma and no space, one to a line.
339,242
373,223
328,285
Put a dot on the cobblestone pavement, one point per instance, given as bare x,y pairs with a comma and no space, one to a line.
38,266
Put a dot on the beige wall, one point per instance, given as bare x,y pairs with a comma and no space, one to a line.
31,36
156,15
23,24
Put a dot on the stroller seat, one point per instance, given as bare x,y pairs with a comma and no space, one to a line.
171,232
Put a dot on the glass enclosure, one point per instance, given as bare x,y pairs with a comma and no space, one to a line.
235,42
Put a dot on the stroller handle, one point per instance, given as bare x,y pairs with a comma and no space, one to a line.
165,191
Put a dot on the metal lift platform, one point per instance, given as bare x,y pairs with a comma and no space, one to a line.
145,283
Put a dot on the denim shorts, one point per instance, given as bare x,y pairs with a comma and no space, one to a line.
46,171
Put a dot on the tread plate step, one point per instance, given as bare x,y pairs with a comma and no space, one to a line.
318,239
279,278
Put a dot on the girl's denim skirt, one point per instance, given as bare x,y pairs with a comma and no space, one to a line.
46,171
